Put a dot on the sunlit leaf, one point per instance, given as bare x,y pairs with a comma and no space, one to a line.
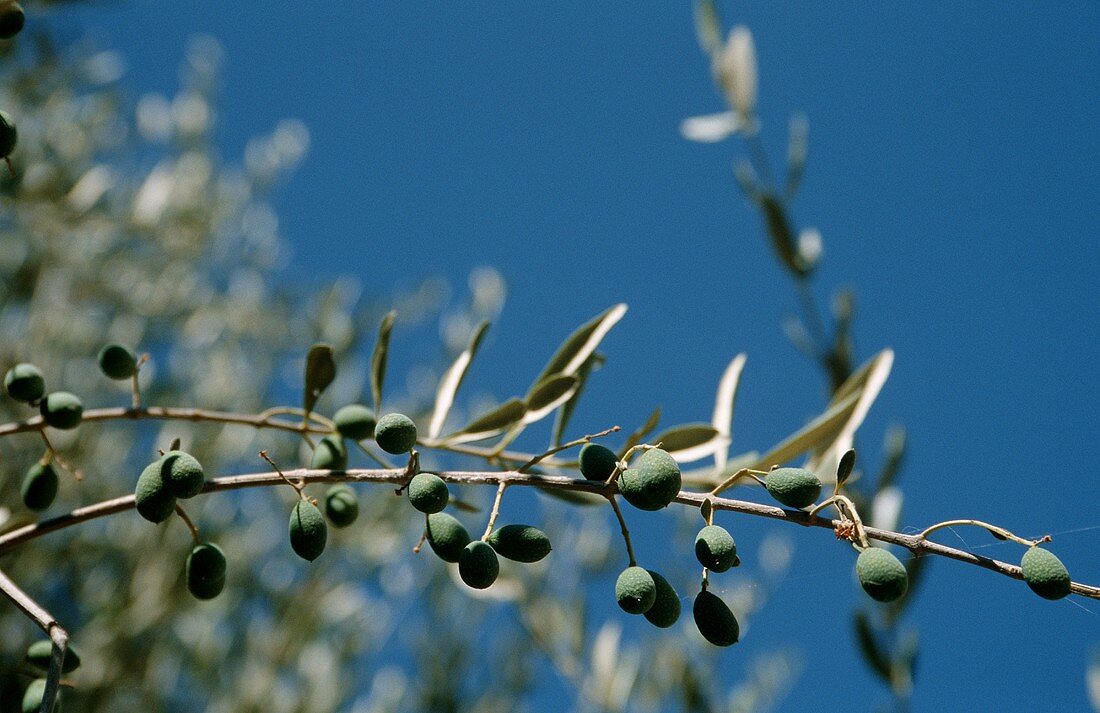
566,411
710,128
722,420
642,431
822,430
580,344
864,385
378,359
320,371
691,441
452,379
548,395
507,414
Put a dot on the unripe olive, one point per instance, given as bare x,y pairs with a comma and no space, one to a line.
61,410
881,574
355,421
428,493
39,653
596,461
715,621
152,496
635,590
39,486
666,605
117,362
1045,573
520,543
205,571
478,565
330,454
12,19
308,531
32,697
793,487
24,382
446,535
182,474
715,548
341,505
395,433
653,483
8,135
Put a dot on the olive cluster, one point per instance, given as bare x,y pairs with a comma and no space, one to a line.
63,410
38,657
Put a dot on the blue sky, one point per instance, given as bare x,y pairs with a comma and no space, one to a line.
952,173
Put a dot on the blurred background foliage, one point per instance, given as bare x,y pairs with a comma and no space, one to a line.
122,223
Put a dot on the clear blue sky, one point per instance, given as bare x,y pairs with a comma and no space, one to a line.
953,175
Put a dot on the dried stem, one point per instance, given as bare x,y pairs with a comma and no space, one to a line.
622,524
495,511
46,621
572,444
914,543
190,525
978,523
297,488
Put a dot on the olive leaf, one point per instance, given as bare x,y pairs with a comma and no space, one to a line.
452,379
691,441
708,27
823,429
378,359
593,362
548,394
869,646
864,385
576,497
722,420
576,349
844,469
642,431
779,230
502,417
320,371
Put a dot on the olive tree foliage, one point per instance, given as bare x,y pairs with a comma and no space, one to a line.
122,224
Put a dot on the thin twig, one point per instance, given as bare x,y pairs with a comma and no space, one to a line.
163,413
914,543
48,623
190,525
622,525
495,511
572,444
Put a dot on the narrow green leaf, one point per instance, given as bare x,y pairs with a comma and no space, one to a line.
779,230
876,658
820,431
593,362
575,497
378,360
722,419
452,379
847,462
708,26
580,344
873,374
644,430
320,371
690,441
507,414
551,391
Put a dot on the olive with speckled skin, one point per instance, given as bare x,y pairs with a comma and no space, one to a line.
1045,573
308,531
881,574
635,590
714,620
794,487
